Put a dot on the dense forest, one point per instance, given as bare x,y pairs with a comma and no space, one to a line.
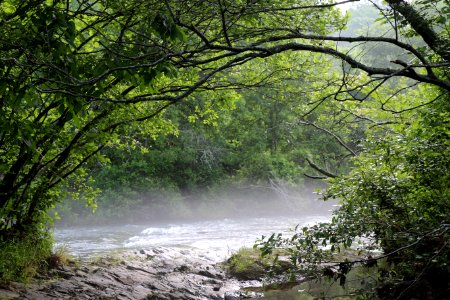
179,106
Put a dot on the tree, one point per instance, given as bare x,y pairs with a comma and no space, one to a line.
62,62
75,71
396,197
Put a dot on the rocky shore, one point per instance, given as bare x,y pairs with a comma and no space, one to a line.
159,273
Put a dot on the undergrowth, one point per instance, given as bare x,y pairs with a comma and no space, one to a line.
21,258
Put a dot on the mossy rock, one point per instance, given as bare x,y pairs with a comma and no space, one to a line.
248,264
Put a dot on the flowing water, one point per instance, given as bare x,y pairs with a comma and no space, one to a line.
217,238
214,239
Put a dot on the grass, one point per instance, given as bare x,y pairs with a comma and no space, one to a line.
20,259
59,257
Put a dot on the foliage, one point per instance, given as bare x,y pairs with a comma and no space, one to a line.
22,258
57,61
395,198
208,161
81,80
78,76
399,195
216,146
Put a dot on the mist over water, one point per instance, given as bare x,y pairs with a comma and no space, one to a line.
216,237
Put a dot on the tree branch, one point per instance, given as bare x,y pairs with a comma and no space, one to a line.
422,27
337,138
320,170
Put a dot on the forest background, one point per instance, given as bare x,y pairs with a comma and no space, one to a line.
233,153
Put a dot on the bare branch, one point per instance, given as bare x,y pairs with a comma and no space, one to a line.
320,170
336,137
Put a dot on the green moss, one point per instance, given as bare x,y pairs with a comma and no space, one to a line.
248,264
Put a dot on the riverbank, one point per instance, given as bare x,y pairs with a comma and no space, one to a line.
158,273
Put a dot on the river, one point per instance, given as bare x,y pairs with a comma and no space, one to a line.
215,238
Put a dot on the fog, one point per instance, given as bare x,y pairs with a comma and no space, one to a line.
233,201
216,226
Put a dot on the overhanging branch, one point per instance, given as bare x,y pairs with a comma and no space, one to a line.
320,170
336,137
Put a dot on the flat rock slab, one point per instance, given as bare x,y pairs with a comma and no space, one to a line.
160,273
